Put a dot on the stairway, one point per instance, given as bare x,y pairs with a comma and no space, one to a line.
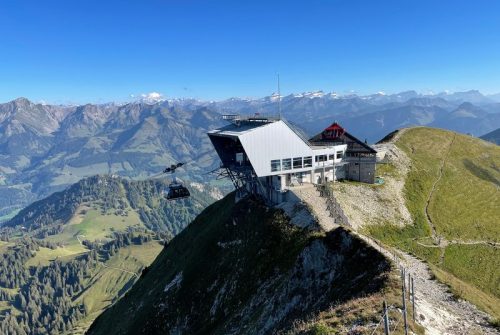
308,194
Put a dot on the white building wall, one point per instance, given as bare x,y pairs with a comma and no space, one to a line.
277,141
272,141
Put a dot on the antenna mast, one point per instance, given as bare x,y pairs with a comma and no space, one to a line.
279,97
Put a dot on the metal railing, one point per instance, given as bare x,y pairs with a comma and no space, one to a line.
332,205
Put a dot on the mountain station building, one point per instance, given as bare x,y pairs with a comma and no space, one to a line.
268,155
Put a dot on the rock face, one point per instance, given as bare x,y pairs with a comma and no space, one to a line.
244,274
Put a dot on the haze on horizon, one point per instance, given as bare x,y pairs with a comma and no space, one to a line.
90,51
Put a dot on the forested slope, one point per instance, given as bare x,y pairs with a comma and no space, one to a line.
67,257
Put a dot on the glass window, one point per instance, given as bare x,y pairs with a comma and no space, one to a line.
297,163
287,164
275,165
308,161
340,154
331,157
320,158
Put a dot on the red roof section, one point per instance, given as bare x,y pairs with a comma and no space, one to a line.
335,126
333,132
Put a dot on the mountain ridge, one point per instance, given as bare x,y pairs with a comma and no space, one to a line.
260,274
493,136
44,148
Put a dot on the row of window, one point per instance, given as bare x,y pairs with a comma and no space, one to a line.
299,162
322,158
288,163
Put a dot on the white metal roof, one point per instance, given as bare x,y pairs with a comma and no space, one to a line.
233,130
268,141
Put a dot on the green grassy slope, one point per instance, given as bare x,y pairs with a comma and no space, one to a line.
457,178
242,268
94,210
113,279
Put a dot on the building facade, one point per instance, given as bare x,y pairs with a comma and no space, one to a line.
267,156
360,159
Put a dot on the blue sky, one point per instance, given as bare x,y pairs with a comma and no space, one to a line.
95,51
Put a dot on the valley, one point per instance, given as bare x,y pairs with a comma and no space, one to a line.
91,242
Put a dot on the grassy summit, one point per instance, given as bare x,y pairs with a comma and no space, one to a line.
452,191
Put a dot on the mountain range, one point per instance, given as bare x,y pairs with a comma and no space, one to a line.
45,148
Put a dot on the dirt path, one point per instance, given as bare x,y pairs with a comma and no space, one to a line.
79,240
475,242
106,266
445,243
120,269
437,310
437,238
440,241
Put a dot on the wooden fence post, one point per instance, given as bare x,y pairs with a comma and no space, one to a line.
386,319
403,289
413,297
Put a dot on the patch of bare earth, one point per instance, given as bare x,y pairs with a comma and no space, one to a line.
361,202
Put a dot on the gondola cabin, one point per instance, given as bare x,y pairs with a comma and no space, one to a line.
177,191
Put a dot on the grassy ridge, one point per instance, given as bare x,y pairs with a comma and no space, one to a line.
190,253
233,255
464,206
9,216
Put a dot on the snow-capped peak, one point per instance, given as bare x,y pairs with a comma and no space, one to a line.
310,95
275,97
150,98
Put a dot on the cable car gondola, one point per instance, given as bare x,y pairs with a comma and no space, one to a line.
177,191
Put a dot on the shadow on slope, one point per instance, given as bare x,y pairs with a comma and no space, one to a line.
480,172
243,268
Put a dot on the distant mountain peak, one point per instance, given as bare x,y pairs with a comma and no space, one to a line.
467,105
22,101
311,95
493,136
152,97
